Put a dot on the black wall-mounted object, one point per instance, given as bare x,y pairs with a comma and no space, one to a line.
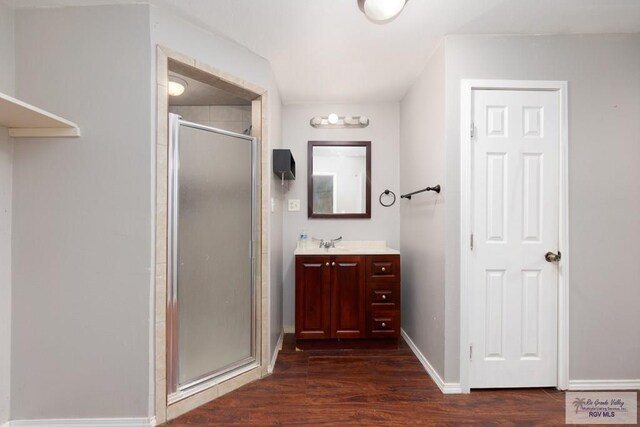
284,165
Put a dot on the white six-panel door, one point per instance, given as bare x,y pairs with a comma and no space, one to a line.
515,221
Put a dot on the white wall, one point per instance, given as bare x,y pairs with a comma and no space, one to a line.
603,72
383,132
82,261
422,219
6,161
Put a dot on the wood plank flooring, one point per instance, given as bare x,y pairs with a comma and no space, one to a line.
368,388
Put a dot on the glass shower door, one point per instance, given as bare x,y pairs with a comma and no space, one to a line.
212,306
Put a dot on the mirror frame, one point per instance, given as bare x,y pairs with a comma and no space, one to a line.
311,144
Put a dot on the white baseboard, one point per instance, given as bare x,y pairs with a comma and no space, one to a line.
289,329
604,384
445,388
85,422
272,364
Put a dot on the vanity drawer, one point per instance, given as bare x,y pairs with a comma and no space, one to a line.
385,296
384,324
383,268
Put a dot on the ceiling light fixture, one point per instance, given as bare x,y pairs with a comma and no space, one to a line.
381,11
176,86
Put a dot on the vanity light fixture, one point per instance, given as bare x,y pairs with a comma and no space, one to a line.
334,121
381,11
176,86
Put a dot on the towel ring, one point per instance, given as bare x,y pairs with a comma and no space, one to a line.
386,193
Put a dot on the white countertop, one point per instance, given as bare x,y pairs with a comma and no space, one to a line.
369,247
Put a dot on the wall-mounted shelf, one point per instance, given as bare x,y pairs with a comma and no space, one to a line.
25,120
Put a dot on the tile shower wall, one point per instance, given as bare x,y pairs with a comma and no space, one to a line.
234,118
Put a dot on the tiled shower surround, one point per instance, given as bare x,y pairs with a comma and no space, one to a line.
234,118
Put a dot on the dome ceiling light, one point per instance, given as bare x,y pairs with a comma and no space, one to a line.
176,86
381,11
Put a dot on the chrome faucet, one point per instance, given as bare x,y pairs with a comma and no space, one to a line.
328,244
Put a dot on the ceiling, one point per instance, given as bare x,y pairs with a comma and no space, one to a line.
327,51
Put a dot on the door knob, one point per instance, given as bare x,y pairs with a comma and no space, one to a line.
551,257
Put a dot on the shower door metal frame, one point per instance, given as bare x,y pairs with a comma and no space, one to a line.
176,391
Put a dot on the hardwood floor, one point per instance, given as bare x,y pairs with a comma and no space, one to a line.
368,388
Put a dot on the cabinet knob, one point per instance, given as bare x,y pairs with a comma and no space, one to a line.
384,297
384,325
384,269
327,264
333,263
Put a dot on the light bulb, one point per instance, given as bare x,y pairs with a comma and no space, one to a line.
333,118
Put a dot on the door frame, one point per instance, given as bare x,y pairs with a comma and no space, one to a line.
166,60
466,103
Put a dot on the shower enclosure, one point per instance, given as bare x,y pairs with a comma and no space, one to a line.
211,304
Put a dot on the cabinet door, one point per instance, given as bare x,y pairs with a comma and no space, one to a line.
348,318
313,297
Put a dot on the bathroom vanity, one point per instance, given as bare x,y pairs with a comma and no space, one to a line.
347,297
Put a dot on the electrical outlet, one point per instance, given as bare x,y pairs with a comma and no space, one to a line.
294,205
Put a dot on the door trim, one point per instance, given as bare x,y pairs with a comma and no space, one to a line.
466,89
168,59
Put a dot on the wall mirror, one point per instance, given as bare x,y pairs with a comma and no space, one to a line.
339,179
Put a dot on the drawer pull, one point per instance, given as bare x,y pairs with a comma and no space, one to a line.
384,325
384,269
384,297
333,263
327,264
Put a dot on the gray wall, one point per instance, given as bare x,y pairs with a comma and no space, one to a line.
383,132
6,170
275,222
82,258
82,246
172,32
422,220
603,72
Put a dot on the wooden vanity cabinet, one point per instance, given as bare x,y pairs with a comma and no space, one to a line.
330,297
347,297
